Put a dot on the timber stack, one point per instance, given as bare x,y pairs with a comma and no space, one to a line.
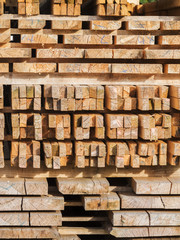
89,124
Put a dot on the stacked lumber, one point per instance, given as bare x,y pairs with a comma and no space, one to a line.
161,8
57,154
56,126
26,153
88,126
153,98
175,97
115,8
154,127
122,126
136,154
27,210
174,152
66,7
74,97
176,125
90,154
143,215
121,98
32,208
26,126
25,97
28,7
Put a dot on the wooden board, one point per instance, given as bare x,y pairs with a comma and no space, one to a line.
82,186
43,203
154,186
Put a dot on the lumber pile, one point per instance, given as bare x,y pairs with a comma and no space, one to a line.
175,97
26,97
90,154
121,126
115,8
161,8
57,154
28,7
174,152
66,7
56,126
74,97
136,154
24,154
154,127
26,126
88,126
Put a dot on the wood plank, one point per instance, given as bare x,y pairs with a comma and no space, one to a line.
105,25
50,203
66,25
129,218
170,25
14,219
36,186
45,219
103,202
84,68
134,40
15,53
39,38
31,24
162,54
137,68
129,232
60,53
10,203
12,186
175,185
164,218
155,186
88,39
171,202
169,40
26,233
82,186
130,201
164,231
172,68
34,67
142,25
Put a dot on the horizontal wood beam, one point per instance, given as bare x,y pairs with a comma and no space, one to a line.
72,172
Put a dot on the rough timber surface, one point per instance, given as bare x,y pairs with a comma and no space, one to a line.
72,172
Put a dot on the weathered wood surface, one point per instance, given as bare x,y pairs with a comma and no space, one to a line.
82,186
154,186
164,218
54,203
130,68
36,186
26,233
10,203
132,201
45,219
129,232
12,186
34,67
129,218
14,219
108,202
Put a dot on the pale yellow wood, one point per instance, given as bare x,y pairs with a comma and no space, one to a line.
154,186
